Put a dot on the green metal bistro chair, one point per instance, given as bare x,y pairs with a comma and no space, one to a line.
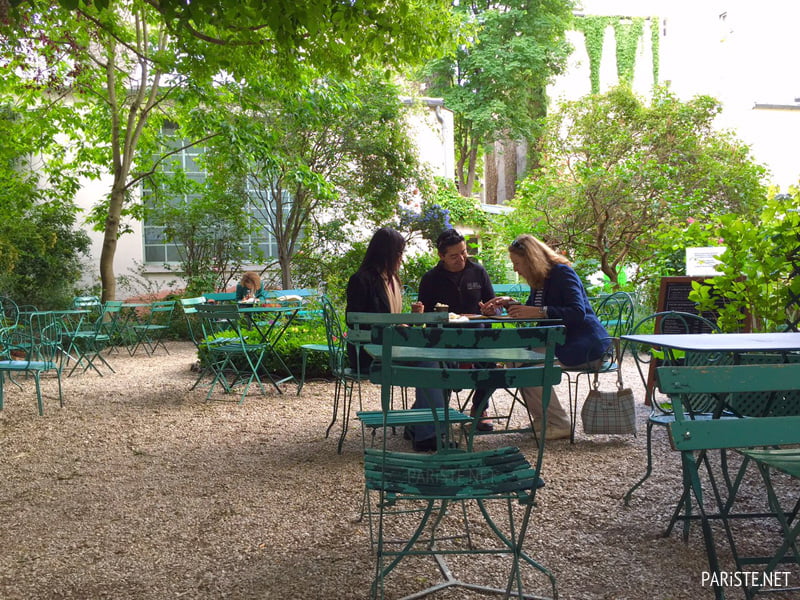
88,343
501,482
615,312
150,333
767,439
345,377
234,360
360,332
304,351
648,358
195,329
40,337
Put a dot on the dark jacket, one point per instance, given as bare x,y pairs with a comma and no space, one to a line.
461,291
365,293
242,291
566,299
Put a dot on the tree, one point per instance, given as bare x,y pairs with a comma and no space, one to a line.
615,168
207,225
324,156
334,36
125,63
496,86
756,273
41,247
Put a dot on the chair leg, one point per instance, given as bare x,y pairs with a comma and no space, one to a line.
348,401
648,469
303,354
39,402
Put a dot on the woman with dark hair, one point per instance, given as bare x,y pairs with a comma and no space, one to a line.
556,293
376,287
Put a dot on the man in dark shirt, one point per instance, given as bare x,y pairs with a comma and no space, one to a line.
460,284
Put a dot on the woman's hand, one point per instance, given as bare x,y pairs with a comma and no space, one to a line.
492,307
521,311
417,307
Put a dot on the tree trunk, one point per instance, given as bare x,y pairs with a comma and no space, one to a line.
111,232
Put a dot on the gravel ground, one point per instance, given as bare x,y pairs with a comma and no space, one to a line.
141,489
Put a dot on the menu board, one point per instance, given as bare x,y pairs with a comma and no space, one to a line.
674,295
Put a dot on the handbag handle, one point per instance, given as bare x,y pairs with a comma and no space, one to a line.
596,382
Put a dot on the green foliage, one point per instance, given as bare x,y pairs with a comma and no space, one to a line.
756,269
496,84
289,348
627,34
615,169
41,243
339,147
207,224
336,36
415,266
655,44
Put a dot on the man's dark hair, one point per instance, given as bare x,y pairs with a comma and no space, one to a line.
449,237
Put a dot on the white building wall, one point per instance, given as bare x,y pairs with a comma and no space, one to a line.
740,52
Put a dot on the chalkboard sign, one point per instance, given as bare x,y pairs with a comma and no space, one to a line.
674,295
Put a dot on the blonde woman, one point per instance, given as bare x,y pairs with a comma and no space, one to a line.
556,293
249,287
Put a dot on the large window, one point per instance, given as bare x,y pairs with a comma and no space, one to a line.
157,250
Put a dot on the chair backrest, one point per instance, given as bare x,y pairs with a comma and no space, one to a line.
615,312
369,319
89,303
9,312
39,335
544,375
519,291
217,318
724,382
337,341
161,311
302,292
220,296
189,305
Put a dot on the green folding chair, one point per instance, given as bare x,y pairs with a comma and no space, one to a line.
150,333
233,359
39,338
501,482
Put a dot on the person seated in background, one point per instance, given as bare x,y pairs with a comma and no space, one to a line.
249,288
556,293
376,288
462,285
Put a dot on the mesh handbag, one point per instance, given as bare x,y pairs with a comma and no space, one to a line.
609,412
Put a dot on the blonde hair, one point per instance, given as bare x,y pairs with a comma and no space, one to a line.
539,258
251,280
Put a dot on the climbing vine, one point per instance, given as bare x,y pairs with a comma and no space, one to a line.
594,31
655,40
627,32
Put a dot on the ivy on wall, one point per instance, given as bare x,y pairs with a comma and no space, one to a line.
655,40
627,32
594,31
